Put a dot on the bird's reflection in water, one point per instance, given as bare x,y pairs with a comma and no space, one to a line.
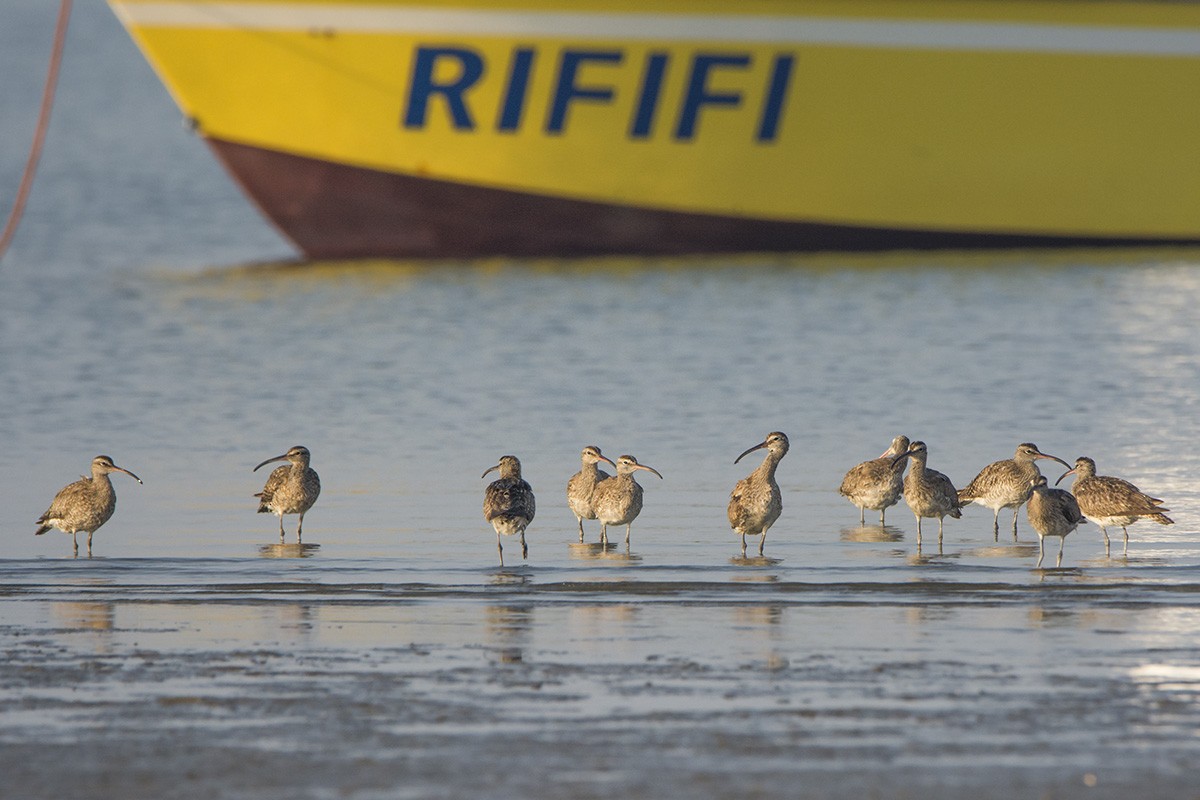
1057,573
755,561
872,533
510,576
294,550
610,552
84,616
508,628
96,619
1018,550
934,556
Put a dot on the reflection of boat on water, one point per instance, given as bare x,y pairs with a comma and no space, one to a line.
492,127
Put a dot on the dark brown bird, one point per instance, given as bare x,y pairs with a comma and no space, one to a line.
84,505
508,503
1109,501
877,484
1051,512
583,483
756,502
928,492
618,500
290,489
1006,484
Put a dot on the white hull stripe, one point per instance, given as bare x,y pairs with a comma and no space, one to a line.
658,27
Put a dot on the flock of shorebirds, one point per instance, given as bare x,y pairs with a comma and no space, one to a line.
754,505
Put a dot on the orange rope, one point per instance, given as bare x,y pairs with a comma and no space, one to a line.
39,136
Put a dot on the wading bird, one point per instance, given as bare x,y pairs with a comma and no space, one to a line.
618,500
508,503
1052,512
877,484
928,492
1109,501
290,489
1006,484
84,505
756,502
583,483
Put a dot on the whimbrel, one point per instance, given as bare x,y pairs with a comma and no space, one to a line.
618,500
756,501
84,505
1006,484
928,492
878,483
583,483
290,489
508,503
1052,512
1106,500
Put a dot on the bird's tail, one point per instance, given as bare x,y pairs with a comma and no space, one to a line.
41,530
1163,519
264,501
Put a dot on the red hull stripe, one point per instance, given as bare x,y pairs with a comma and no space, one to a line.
333,211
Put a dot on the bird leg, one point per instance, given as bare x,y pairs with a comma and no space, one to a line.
1062,541
90,543
628,529
1041,550
603,533
862,516
580,529
1015,512
940,521
743,545
882,512
996,526
500,549
1124,552
281,528
75,540
1105,532
524,547
299,528
918,531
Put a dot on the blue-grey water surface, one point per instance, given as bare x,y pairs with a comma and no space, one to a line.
147,312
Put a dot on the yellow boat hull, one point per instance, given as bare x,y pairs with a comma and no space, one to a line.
379,127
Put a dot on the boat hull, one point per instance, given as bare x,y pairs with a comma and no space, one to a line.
381,128
332,211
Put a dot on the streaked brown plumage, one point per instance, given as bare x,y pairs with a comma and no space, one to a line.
1051,512
756,501
618,500
508,503
84,505
1006,484
290,489
583,483
877,484
928,492
1109,501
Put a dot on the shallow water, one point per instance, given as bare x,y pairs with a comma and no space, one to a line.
146,312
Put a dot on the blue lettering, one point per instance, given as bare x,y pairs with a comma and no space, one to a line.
424,87
567,89
777,86
647,105
518,89
699,96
